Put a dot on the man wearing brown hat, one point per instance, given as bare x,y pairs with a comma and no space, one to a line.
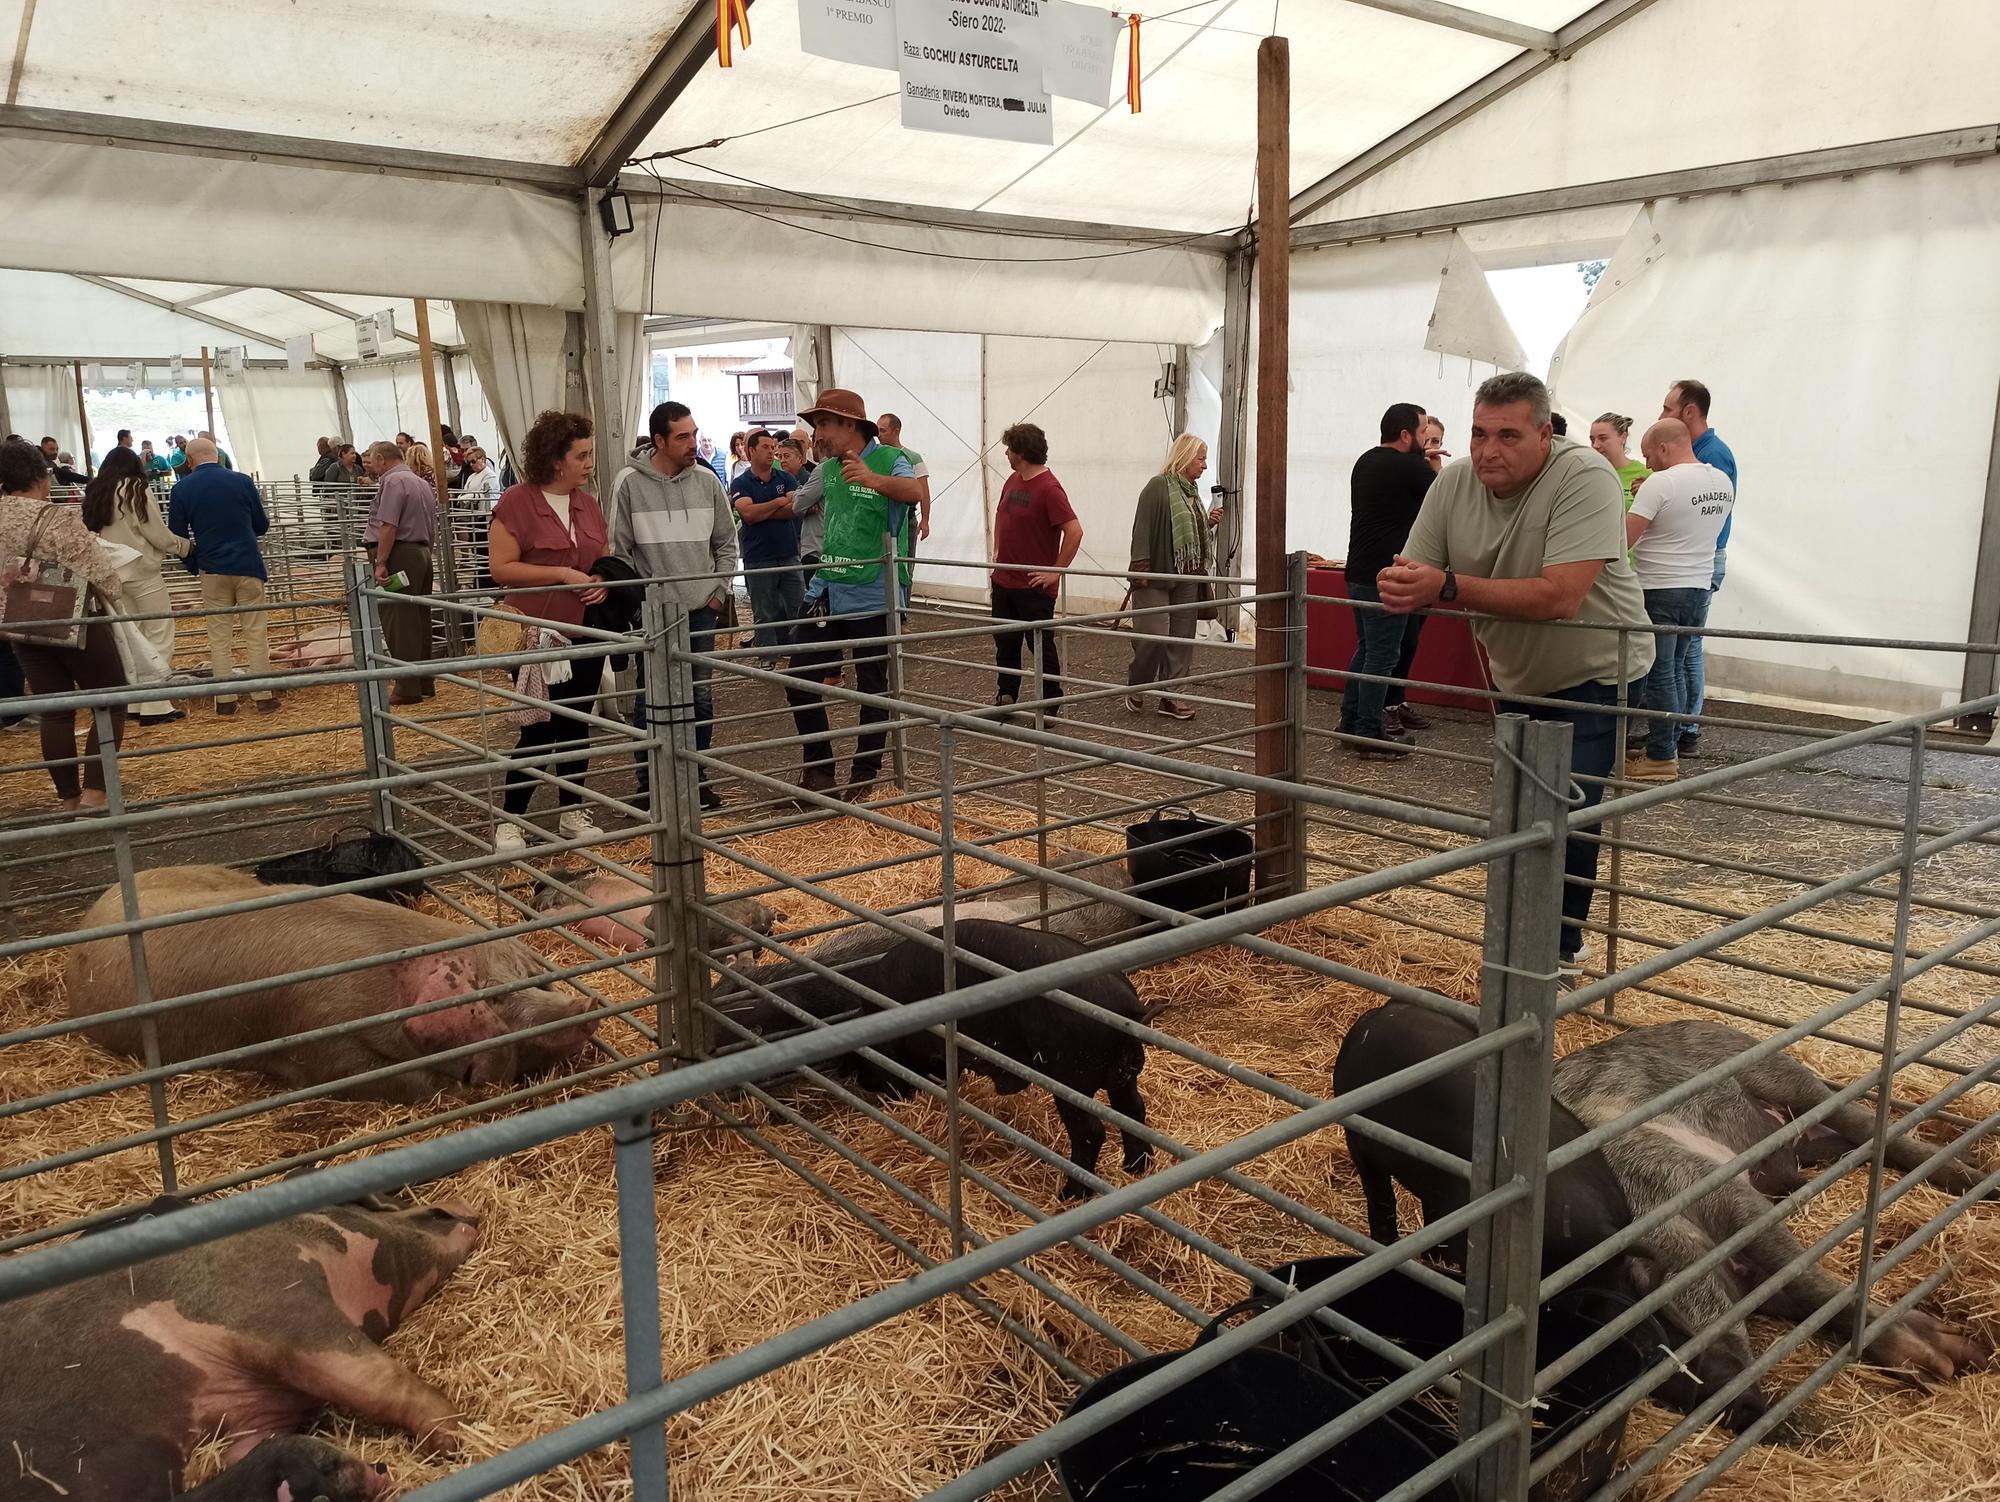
870,491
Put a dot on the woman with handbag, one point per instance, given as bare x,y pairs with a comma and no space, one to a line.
55,571
544,534
1169,536
118,506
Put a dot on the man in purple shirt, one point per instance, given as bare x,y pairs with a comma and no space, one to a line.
397,538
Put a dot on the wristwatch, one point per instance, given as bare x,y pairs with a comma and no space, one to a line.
1450,590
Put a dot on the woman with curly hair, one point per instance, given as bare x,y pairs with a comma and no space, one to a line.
546,531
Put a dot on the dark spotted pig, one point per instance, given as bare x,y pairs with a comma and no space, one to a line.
294,1468
108,1384
191,957
1665,1156
1041,1032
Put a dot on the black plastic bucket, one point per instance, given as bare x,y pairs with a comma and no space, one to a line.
1217,1427
1197,862
1425,1323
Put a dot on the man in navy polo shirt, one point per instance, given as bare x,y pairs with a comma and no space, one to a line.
762,495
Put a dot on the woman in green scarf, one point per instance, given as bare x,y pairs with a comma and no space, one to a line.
1170,535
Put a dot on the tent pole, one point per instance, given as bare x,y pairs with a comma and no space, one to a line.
83,416
208,388
443,550
1984,626
6,417
451,396
1274,290
1235,417
340,403
603,361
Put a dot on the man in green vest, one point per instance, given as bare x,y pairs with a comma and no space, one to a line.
870,491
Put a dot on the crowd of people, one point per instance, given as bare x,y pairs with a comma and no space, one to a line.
1534,528
810,517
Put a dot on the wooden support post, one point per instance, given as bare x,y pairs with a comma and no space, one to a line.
208,388
443,550
1274,273
83,417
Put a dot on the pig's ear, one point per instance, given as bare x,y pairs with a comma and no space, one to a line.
284,1492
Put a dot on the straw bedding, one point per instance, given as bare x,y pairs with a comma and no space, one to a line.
527,1335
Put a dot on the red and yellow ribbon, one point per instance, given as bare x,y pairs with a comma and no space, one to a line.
730,14
1132,78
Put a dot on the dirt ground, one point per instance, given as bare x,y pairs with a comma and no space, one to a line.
527,1336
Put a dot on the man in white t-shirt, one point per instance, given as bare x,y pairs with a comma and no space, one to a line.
1675,519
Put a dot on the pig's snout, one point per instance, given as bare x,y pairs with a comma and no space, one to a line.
376,1479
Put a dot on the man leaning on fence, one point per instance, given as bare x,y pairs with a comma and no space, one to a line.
401,525
223,514
1530,529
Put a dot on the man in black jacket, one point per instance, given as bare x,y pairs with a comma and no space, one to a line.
1388,488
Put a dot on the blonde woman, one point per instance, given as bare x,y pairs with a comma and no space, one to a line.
418,457
1170,535
120,508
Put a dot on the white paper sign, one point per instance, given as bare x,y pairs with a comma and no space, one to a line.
365,339
974,68
177,368
135,377
93,377
850,31
231,362
1082,45
299,353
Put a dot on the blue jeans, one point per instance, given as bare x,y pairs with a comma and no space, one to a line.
1667,686
1384,646
1593,744
1696,679
776,601
701,637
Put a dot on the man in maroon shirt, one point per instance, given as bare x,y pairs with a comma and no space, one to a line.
1034,530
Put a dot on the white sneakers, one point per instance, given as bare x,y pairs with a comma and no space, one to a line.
576,824
509,838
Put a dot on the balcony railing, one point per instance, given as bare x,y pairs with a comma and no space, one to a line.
767,406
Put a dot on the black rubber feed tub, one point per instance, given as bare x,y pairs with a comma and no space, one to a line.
1222,1425
1425,1323
1198,863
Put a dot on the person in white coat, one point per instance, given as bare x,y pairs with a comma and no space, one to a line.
118,506
482,480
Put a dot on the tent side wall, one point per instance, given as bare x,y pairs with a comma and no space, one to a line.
958,393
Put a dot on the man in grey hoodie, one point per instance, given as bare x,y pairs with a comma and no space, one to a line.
671,519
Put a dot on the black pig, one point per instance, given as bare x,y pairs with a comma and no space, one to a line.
1046,1035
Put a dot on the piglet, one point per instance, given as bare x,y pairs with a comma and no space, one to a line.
108,1384
294,1468
630,927
1584,1203
1039,1031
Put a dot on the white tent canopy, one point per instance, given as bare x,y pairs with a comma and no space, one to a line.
1533,130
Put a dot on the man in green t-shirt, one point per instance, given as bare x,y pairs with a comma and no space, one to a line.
1528,529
